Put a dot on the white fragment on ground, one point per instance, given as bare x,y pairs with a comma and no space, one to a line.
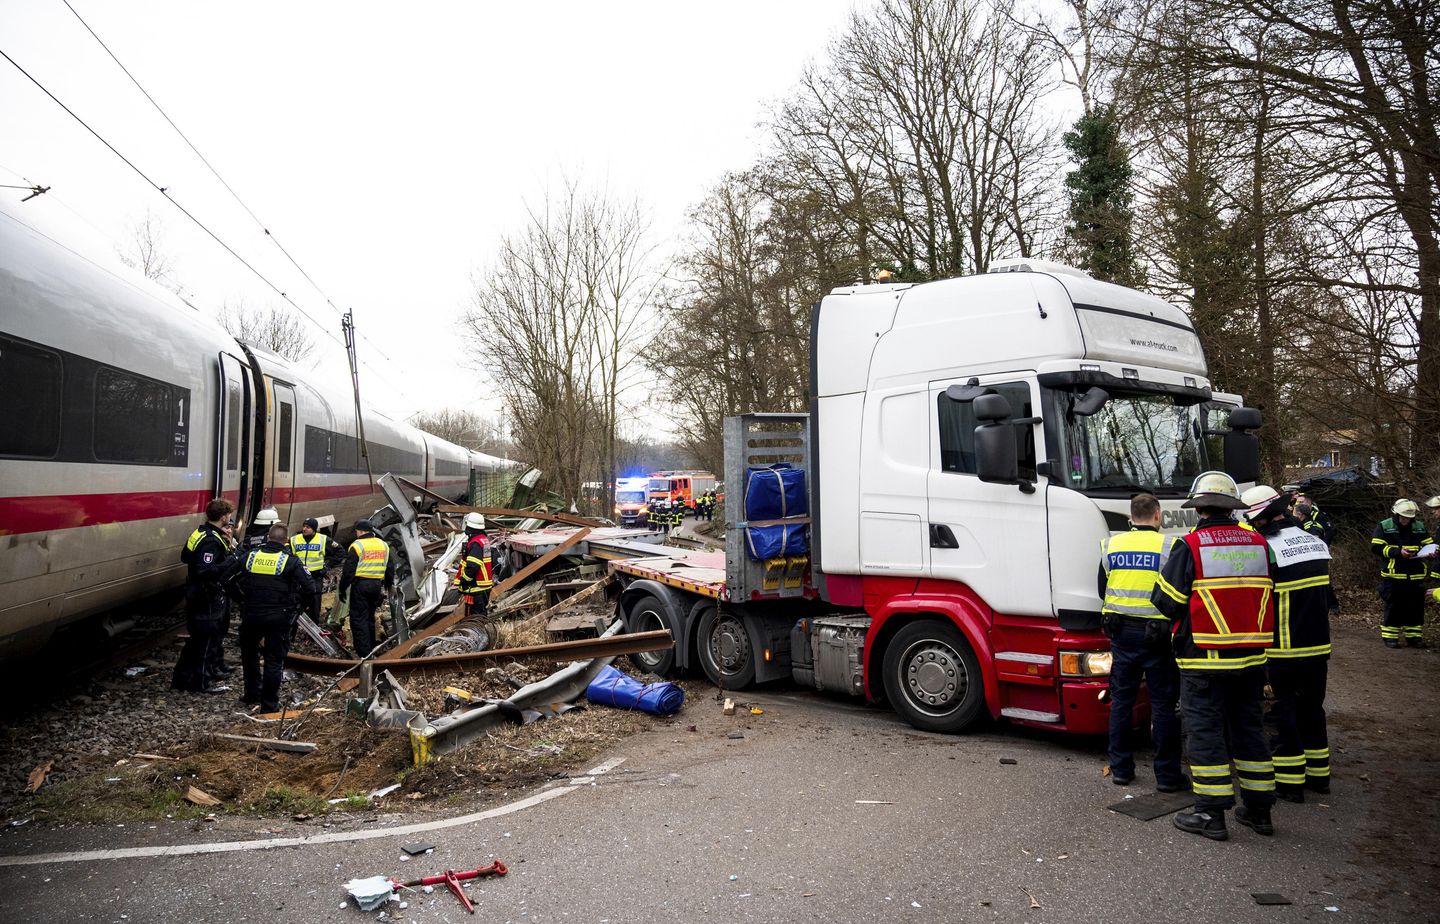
370,893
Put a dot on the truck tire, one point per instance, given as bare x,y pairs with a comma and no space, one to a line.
648,614
932,677
724,649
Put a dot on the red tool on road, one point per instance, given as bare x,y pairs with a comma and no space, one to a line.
452,879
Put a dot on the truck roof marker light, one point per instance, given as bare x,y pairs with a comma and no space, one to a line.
1089,367
1132,374
1190,381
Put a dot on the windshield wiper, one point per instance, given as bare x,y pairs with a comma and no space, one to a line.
1121,486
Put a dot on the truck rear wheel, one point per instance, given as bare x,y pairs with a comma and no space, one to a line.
932,677
648,614
726,654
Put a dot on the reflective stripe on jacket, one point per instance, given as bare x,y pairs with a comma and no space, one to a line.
475,573
1391,537
1218,596
1132,563
262,562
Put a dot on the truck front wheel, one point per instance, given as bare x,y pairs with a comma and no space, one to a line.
648,614
932,677
725,651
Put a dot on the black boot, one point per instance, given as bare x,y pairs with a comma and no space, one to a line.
1257,819
1320,784
1181,786
1294,794
1416,642
1392,643
1209,823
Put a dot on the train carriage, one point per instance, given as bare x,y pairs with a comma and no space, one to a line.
125,410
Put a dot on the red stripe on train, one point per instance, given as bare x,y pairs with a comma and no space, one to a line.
69,511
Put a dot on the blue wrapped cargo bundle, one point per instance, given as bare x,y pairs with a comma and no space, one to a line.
775,492
614,688
767,542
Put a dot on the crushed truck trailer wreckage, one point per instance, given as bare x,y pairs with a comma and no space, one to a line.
552,579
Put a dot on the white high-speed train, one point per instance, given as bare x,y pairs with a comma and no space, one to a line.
123,411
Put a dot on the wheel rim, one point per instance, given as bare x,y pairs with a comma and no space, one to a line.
934,677
728,646
648,621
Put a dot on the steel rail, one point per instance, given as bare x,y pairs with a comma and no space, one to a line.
573,650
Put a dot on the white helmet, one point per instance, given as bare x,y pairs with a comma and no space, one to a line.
1258,499
1405,507
474,521
266,517
1215,489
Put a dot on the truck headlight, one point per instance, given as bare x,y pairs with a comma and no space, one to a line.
1085,663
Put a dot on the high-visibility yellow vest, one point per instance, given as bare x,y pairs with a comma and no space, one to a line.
311,552
1132,566
195,538
262,562
372,554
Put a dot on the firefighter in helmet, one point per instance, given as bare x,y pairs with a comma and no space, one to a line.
1216,588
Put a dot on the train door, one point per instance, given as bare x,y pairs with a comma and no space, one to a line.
232,434
282,459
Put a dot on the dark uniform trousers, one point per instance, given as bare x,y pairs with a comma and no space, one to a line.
215,652
1404,609
312,601
1141,654
1301,748
269,635
207,616
1221,704
364,601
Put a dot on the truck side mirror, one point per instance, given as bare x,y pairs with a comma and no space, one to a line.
997,453
1242,447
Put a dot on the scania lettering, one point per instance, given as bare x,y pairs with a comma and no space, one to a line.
970,445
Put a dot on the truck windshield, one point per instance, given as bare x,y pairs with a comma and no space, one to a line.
630,497
1135,442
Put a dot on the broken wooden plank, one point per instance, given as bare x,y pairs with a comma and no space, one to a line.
38,775
569,518
525,573
198,796
572,650
274,744
594,588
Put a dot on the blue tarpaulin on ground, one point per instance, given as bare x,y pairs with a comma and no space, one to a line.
614,688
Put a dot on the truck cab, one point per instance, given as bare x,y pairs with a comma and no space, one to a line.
975,442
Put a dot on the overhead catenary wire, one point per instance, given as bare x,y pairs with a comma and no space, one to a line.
216,173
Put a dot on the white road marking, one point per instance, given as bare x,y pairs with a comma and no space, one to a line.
334,837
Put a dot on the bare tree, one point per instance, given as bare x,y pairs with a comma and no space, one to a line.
557,322
273,328
145,252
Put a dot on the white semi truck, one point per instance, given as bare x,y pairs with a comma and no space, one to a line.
970,445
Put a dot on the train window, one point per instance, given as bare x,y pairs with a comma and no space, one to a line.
287,436
140,421
30,381
232,426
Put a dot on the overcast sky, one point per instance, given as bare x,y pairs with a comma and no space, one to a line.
387,146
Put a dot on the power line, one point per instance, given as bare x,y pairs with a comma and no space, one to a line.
164,192
216,173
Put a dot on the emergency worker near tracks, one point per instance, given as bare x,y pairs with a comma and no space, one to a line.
273,583
206,554
1139,634
254,538
313,547
369,568
1298,661
1312,519
1399,541
1217,588
476,577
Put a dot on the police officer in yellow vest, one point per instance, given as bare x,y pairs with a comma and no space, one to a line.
313,547
1217,588
272,582
1140,646
206,555
369,568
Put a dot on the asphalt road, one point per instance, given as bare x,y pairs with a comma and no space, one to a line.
830,811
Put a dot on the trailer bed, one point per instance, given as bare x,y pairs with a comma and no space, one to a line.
693,570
